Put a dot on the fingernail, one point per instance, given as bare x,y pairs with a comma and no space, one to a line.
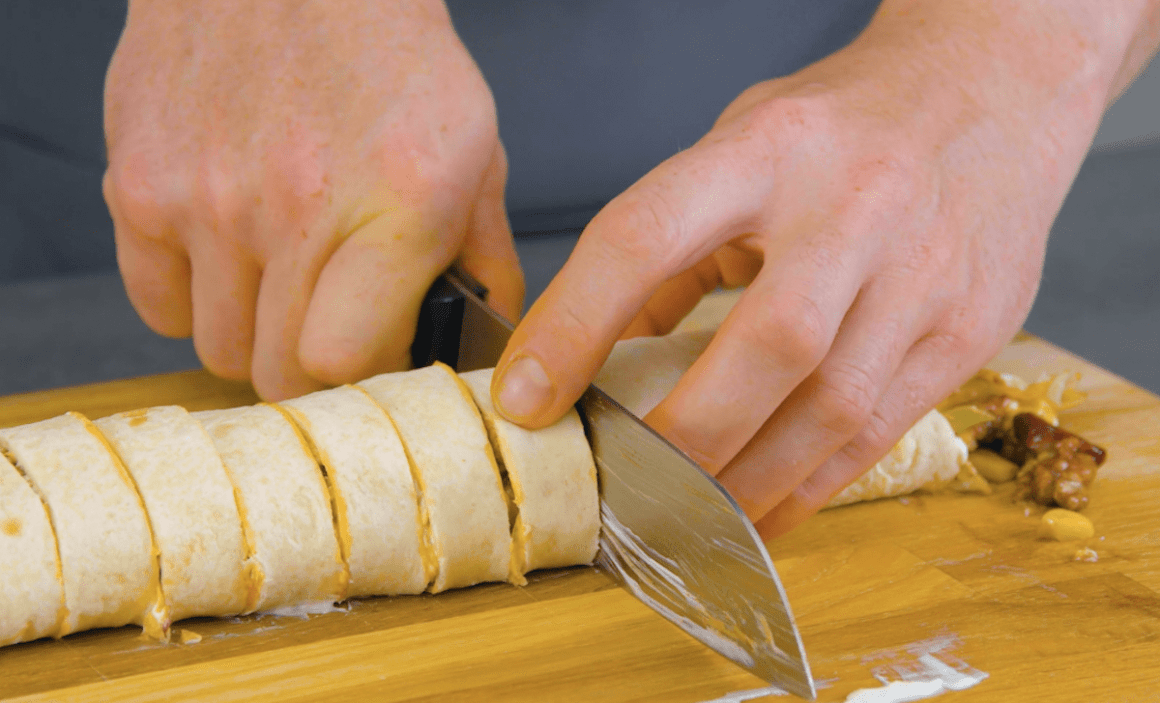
525,389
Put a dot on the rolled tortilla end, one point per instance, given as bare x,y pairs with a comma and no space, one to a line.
455,471
367,468
107,559
294,555
190,502
927,457
31,594
551,478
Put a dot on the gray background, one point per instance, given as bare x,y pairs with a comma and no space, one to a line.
583,114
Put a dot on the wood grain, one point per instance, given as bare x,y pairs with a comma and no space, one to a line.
871,585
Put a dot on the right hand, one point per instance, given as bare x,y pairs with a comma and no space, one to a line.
287,179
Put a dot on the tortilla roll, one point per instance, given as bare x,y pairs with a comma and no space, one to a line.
107,559
190,502
31,595
552,482
284,505
640,372
927,457
374,492
455,470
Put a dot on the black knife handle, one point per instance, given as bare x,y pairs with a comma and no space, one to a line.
440,325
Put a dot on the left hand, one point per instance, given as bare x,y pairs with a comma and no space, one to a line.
888,208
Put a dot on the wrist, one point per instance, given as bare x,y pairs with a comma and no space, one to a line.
1016,56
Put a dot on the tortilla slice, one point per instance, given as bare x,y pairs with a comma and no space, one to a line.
190,502
370,477
294,556
552,482
31,595
107,559
640,372
456,473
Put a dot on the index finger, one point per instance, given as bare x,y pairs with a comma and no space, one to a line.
672,218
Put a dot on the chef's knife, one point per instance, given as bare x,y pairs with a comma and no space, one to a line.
671,534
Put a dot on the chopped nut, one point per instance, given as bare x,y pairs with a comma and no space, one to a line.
1058,466
993,467
1065,525
188,637
1086,554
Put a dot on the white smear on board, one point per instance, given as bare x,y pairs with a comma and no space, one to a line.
303,610
753,693
748,695
930,676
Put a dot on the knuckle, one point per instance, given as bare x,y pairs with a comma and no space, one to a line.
129,188
646,231
874,439
793,333
576,326
222,200
961,329
845,399
789,117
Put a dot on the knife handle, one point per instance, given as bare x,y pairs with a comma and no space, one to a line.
440,324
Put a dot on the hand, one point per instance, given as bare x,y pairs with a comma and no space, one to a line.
888,208
287,179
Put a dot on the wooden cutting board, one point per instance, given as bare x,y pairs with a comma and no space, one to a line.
873,587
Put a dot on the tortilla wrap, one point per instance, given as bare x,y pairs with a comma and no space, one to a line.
455,470
552,479
190,502
107,559
31,595
369,474
293,550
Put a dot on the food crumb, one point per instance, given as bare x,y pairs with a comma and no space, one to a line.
1086,554
188,637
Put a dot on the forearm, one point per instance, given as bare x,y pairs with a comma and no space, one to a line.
1069,59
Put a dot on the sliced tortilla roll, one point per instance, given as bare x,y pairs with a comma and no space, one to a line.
285,507
107,560
457,476
374,492
640,372
552,481
190,502
31,595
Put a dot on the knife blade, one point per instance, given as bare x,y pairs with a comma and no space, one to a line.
672,536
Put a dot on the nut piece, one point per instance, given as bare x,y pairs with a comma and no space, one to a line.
993,467
1086,554
1059,466
189,637
1065,526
